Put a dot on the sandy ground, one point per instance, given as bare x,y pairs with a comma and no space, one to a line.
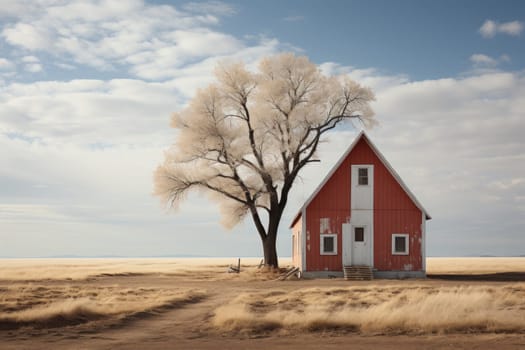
187,324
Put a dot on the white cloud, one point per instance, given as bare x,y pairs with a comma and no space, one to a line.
368,77
64,66
152,41
30,59
481,59
33,67
211,7
10,8
199,72
6,64
504,58
166,60
85,112
483,64
490,28
28,36
513,28
32,64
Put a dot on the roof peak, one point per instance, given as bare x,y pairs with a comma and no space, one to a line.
359,136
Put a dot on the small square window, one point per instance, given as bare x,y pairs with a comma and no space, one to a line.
359,234
362,176
328,244
400,244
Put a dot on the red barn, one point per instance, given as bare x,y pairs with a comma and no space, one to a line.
362,214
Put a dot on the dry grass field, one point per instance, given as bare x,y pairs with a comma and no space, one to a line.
195,303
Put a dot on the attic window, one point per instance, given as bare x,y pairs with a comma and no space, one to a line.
329,244
363,176
400,244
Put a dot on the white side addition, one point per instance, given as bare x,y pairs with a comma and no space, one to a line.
358,237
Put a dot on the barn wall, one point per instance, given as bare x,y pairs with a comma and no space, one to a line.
333,202
297,242
394,212
397,221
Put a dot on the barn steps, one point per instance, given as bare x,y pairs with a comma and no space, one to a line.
358,273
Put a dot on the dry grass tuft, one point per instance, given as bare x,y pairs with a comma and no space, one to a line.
58,306
379,310
238,317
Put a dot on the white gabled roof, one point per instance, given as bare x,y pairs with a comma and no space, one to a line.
396,176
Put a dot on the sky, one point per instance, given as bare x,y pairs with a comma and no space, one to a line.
87,89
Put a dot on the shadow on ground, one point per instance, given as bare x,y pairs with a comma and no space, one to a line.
497,277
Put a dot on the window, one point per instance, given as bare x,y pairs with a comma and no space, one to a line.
362,174
359,234
328,244
400,244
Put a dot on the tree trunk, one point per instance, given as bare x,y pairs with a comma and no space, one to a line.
270,250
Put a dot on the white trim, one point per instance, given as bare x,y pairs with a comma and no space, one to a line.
321,250
346,243
372,264
407,243
303,248
423,242
340,161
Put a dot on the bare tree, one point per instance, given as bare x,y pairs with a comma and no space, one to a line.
244,139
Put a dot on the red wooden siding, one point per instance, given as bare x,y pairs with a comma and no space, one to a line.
394,212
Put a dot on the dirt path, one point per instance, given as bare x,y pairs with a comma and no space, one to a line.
182,324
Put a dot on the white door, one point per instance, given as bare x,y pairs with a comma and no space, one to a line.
357,247
360,245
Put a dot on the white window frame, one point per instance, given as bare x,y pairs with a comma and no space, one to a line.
407,243
359,167
322,236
